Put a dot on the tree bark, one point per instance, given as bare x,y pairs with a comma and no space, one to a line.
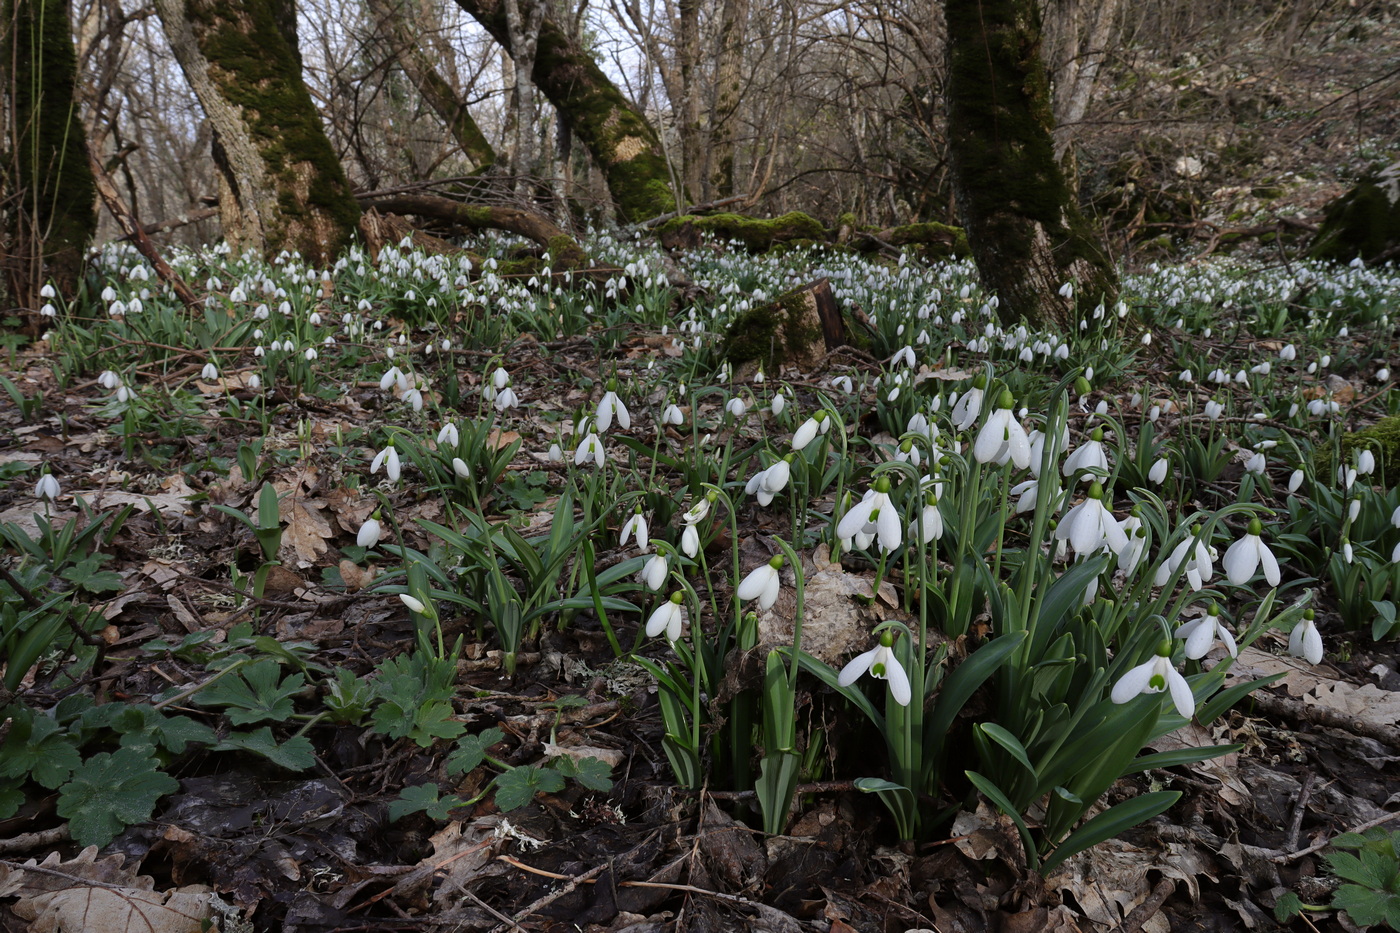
523,21
281,185
399,27
1023,226
615,133
48,210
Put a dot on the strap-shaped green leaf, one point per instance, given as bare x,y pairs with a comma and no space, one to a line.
994,794
1110,823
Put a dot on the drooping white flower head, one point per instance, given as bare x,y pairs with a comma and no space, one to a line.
880,662
969,404
1090,526
1158,472
448,435
46,487
1245,556
1304,641
1155,676
762,583
809,429
668,617
928,526
1195,555
1002,436
611,406
765,484
368,535
1202,633
590,448
1088,455
873,515
388,458
636,525
654,571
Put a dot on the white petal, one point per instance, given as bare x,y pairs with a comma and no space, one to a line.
856,666
755,583
1227,640
1199,640
804,434
1271,572
769,596
1312,644
1241,560
888,527
1181,693
854,520
1133,682
899,681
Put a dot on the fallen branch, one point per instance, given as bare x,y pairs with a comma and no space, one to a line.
1298,711
107,191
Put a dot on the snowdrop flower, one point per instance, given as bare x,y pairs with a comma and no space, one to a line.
589,448
1088,455
1304,641
1256,464
370,530
46,488
672,415
654,571
875,514
690,541
1028,493
1196,557
1158,473
765,484
388,458
47,291
507,398
1382,374
1131,556
762,584
1245,555
929,525
448,435
969,405
1365,463
1201,633
414,398
844,384
311,355
1090,525
1354,509
736,407
109,380
1214,410
668,617
1288,354
1002,435
1296,480
881,663
209,372
635,525
1186,376
779,403
414,604
608,407
1154,676
459,466
809,429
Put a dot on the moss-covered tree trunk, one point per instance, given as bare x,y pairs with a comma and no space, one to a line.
400,26
281,185
729,81
618,137
1023,226
49,214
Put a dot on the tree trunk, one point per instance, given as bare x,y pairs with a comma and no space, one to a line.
1023,226
733,27
617,136
523,21
402,30
281,185
48,212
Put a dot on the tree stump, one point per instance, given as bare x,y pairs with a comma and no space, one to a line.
795,329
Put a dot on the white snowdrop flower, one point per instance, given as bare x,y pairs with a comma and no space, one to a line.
448,435
1353,509
762,583
109,380
1213,409
1155,676
736,407
1365,463
809,429
1246,555
125,394
109,294
928,526
669,617
1089,455
46,488
1131,555
368,535
1326,360
1002,433
874,515
589,448
1090,525
635,526
1158,473
1295,480
1348,554
1304,641
1289,353
1186,376
672,415
1200,634
779,402
311,354
413,603
209,373
1198,564
765,484
388,458
879,662
1256,464
611,406
969,406
254,381
48,291
1147,338
507,398
414,399
654,572
1382,374
459,466
500,379
844,384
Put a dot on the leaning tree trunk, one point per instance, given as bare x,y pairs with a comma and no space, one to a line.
618,137
401,27
48,212
281,185
1023,226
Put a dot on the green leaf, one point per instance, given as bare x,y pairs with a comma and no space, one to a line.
995,795
295,754
960,685
1367,907
471,750
1181,756
1288,906
1112,822
1009,742
39,748
11,797
592,773
254,693
142,724
518,786
424,798
110,792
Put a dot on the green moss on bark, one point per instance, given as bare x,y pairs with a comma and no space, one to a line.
757,234
55,183
255,69
1381,438
786,330
1364,222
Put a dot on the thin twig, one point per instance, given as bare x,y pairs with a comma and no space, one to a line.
1133,923
1299,809
27,841
1360,828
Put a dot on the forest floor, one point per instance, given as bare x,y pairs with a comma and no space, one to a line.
295,800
